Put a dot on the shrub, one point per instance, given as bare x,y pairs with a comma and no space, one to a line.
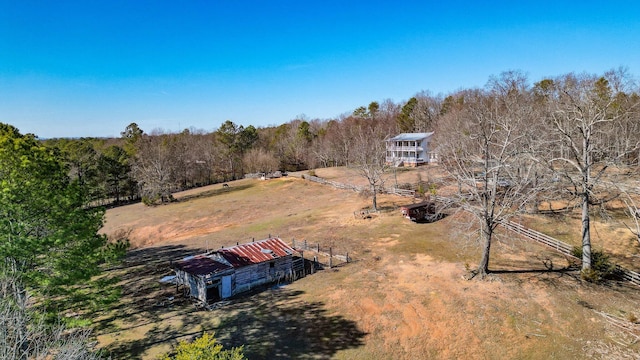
204,348
150,200
601,266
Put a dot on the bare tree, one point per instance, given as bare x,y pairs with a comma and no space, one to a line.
387,116
584,115
368,155
338,135
260,161
323,153
484,146
153,167
426,111
632,210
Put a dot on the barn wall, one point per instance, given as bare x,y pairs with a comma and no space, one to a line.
243,279
194,283
251,276
202,289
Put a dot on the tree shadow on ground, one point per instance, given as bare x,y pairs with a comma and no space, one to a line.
159,254
271,322
572,273
432,218
278,324
161,333
214,192
142,295
545,271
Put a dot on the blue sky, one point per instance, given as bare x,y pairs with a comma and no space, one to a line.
89,68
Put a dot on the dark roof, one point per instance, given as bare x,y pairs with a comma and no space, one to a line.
255,252
417,205
201,265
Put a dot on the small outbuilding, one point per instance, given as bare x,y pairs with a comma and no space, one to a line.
425,210
226,272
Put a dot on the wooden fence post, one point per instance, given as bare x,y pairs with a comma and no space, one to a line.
330,257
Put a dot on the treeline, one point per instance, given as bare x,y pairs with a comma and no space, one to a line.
151,165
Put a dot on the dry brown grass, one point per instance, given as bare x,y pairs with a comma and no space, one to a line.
405,297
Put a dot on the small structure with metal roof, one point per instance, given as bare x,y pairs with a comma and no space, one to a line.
226,272
418,212
410,149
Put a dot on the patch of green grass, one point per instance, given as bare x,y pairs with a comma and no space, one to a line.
76,322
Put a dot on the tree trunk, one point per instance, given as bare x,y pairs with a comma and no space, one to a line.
483,268
586,233
375,198
586,181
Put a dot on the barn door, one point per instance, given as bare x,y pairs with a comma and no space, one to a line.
226,287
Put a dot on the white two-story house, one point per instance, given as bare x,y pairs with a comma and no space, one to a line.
410,149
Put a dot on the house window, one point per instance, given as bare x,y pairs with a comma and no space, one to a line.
272,264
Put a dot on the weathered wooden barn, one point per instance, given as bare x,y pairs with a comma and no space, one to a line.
226,272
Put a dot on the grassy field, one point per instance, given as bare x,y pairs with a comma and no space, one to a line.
405,296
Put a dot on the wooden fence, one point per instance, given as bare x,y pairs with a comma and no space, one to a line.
564,248
539,237
343,186
335,184
322,254
400,192
626,274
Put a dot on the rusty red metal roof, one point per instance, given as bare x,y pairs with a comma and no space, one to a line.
201,265
255,252
236,256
